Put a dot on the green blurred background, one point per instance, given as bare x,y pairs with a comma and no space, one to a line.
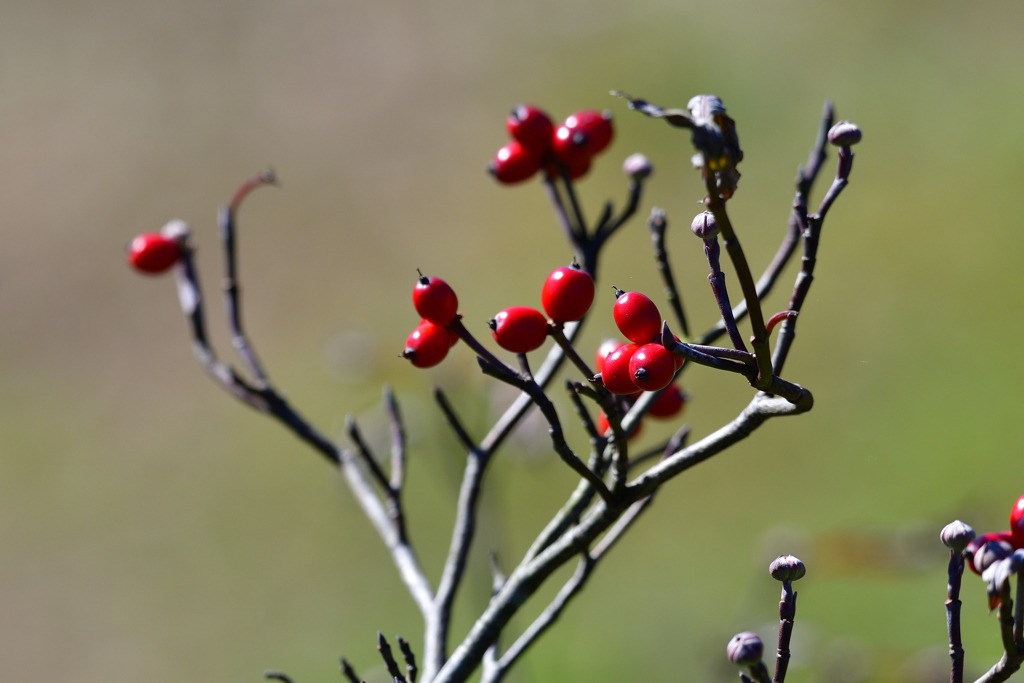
153,529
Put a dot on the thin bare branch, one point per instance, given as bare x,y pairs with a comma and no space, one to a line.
277,676
389,660
409,657
397,440
657,225
348,672
453,421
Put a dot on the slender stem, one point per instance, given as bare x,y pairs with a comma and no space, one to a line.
787,613
657,225
389,659
573,234
717,281
570,192
606,230
397,440
716,205
956,649
348,672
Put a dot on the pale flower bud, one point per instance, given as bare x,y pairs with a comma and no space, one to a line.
745,649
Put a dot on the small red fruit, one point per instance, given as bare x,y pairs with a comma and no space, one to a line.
597,126
652,367
636,317
434,300
514,163
669,404
1017,523
453,337
603,428
531,127
427,345
567,293
519,329
572,147
153,253
615,371
606,347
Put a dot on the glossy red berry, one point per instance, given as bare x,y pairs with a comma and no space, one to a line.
980,542
434,300
652,367
615,371
606,347
669,404
567,293
531,127
583,135
1017,523
153,253
514,163
427,345
453,337
636,316
604,428
519,329
597,126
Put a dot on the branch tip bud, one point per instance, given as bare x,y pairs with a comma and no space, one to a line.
956,535
787,568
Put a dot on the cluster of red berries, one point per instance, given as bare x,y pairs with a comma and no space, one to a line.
566,296
986,549
438,306
645,364
153,253
536,143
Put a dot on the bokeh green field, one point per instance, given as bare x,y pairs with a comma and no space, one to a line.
153,530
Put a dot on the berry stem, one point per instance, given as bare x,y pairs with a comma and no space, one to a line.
716,278
657,225
787,613
956,649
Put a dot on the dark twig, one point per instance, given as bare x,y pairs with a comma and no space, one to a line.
352,429
277,676
409,657
597,440
787,613
348,672
956,649
389,660
716,278
606,230
232,292
453,420
657,225
570,192
673,444
397,440
573,234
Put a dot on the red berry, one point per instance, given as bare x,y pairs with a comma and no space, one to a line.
669,404
531,127
597,126
567,293
453,337
519,329
677,359
979,541
153,253
1017,523
606,347
603,427
434,300
427,345
514,163
572,147
615,371
636,317
575,170
652,367
583,135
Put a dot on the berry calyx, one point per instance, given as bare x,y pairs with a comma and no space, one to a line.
153,253
606,347
652,367
514,163
434,300
567,293
636,316
531,127
615,372
604,428
427,345
669,404
519,329
1017,523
